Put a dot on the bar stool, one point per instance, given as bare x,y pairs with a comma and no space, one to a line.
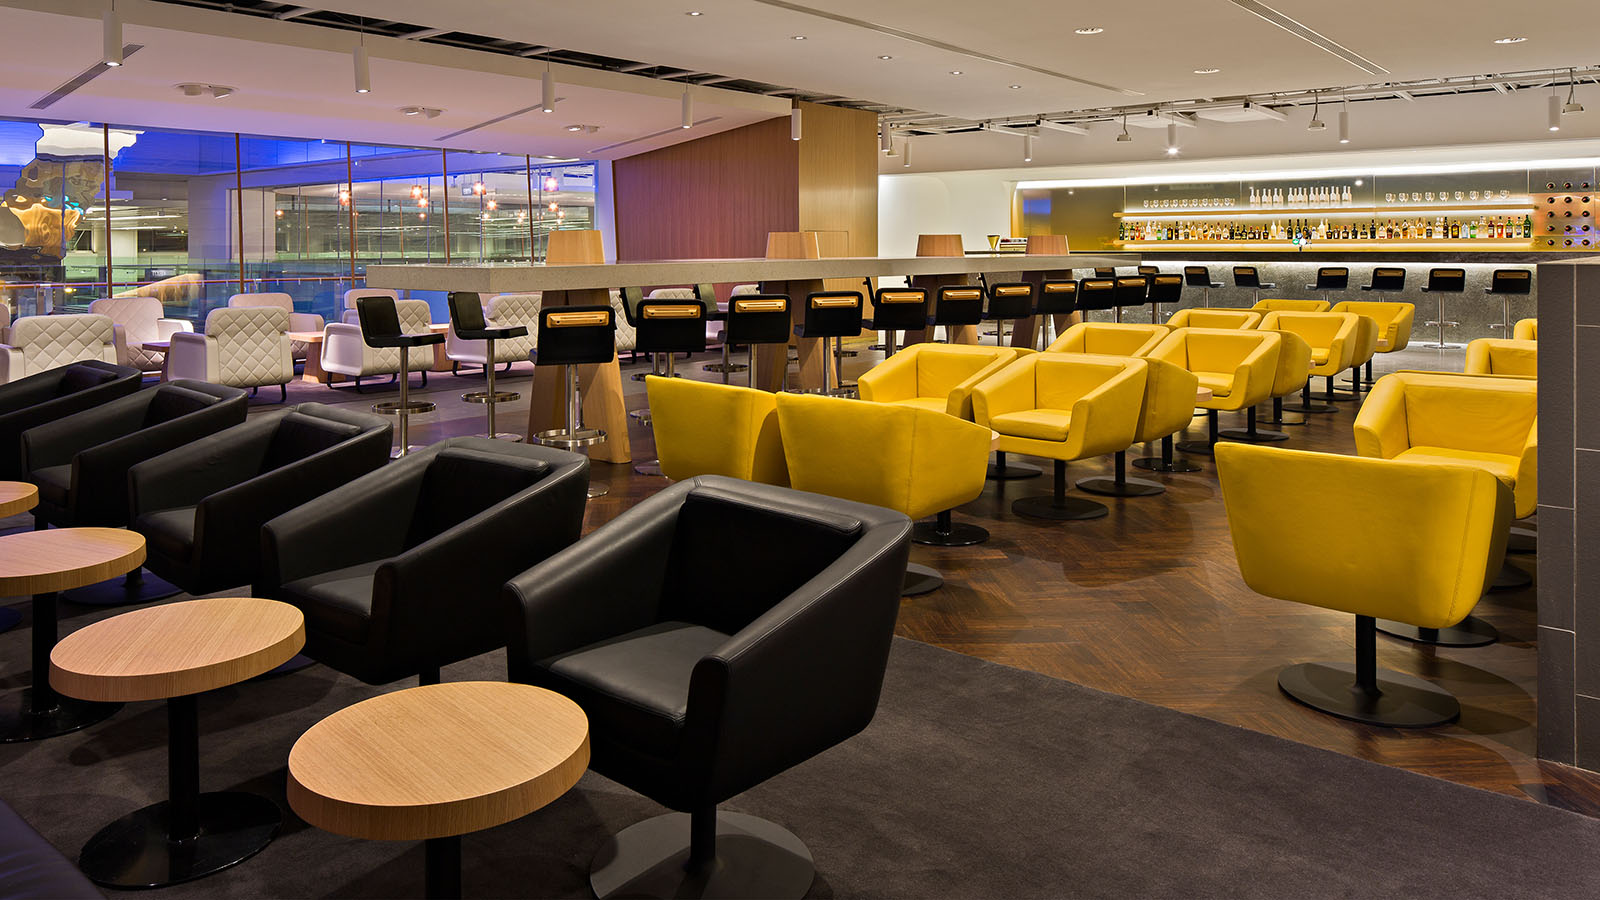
1149,271
895,310
1008,303
466,317
1386,280
1055,298
1105,272
1249,278
667,328
1505,284
1330,279
957,305
837,315
755,319
380,329
1200,277
1444,281
1164,289
573,336
1096,294
707,295
1132,290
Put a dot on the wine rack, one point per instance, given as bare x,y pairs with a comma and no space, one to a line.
1564,215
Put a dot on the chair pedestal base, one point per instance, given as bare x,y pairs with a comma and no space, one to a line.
1521,540
1061,509
1403,701
1469,632
1510,578
1120,485
1000,470
946,533
566,439
137,586
135,851
920,580
1251,434
1165,462
651,468
755,858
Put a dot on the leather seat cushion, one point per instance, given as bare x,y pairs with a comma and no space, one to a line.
1220,385
635,687
1499,465
1039,424
337,603
55,483
936,404
170,532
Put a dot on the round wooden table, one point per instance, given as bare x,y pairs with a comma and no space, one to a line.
15,497
42,563
433,763
174,653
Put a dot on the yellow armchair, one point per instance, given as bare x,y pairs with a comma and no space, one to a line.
1284,304
1430,538
1333,338
1294,367
938,377
1493,356
1062,406
1167,407
716,429
1108,339
1205,317
1526,330
917,461
1236,365
1394,321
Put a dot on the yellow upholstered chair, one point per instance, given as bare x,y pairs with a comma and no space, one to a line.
939,377
1284,304
1062,406
1197,317
1236,365
1394,324
1167,407
918,461
1526,330
1332,337
1294,366
1364,347
716,429
1108,339
1493,356
1430,535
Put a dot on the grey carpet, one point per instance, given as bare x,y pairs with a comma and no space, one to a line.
976,780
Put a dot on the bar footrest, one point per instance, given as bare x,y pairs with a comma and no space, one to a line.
395,407
486,397
568,440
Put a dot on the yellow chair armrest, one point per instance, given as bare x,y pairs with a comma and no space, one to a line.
959,401
893,379
1380,427
1106,419
948,457
1008,390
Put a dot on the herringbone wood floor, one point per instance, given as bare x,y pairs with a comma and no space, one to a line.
1148,603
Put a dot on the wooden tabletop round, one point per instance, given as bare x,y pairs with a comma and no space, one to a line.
60,559
17,497
176,649
439,760
1202,394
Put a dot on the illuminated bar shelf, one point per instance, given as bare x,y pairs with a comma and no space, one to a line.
1520,207
1325,245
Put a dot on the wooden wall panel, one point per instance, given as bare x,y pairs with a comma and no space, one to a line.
839,174
713,198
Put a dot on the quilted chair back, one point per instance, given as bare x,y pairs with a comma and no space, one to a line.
252,345
136,315
278,301
506,310
351,296
50,341
626,337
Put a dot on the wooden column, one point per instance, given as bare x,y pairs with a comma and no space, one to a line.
1025,333
775,369
601,385
940,245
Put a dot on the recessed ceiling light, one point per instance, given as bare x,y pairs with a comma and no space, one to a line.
798,37
955,71
574,127
1509,40
1016,87
1206,71
1088,29
886,57
694,13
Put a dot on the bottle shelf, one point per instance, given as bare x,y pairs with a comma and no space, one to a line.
1328,244
1519,207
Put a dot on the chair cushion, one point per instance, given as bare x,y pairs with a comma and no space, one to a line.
1499,465
170,532
299,436
1039,424
81,378
635,687
1319,355
55,483
172,401
337,603
31,867
1220,385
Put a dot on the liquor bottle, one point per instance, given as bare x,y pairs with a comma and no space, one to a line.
1527,226
1345,198
1455,229
1122,231
1427,231
1472,229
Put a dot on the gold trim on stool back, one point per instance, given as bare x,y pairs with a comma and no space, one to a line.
577,319
761,305
675,311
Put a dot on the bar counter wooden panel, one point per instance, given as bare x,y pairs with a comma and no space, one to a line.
1025,333
600,385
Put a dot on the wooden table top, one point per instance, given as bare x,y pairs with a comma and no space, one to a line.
176,649
60,559
162,346
439,760
315,337
17,497
1203,394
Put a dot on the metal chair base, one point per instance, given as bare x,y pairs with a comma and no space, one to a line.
943,532
920,580
1062,509
1000,470
1166,462
1402,701
1469,632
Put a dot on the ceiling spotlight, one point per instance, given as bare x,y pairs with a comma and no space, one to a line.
885,139
955,72
886,57
547,89
218,92
1344,126
192,90
111,38
694,13
798,37
905,154
1316,123
688,107
363,72
1088,29
1572,104
1172,139
425,111
574,127
1509,40
1206,71
411,110
794,124
1555,112
1016,87
1027,148
586,129
1124,137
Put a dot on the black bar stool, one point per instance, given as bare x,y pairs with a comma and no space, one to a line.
755,319
707,295
1386,280
573,336
1164,289
895,310
1105,272
1149,271
1008,302
1200,277
1505,284
957,305
1055,298
1330,279
466,317
1444,281
380,329
837,315
1132,290
1249,278
669,327
1096,294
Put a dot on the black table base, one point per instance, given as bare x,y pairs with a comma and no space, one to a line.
137,586
39,712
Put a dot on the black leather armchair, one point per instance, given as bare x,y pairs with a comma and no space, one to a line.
716,634
201,506
51,395
401,571
32,869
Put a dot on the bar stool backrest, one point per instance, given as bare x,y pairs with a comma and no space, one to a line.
1197,276
1450,280
900,309
1056,298
1166,288
575,335
1149,270
1332,278
1105,272
1388,278
1097,293
466,312
671,326
959,304
380,321
1511,281
1013,300
631,298
1132,290
833,314
1246,277
758,319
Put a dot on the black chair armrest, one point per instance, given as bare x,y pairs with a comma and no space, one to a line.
190,473
495,334
608,585
100,474
56,443
30,391
364,520
405,340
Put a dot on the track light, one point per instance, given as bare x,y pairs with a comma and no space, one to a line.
1172,139
1316,123
794,124
363,73
111,38
547,86
1124,137
905,154
1344,126
1572,104
1555,112
884,139
688,107
1027,148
